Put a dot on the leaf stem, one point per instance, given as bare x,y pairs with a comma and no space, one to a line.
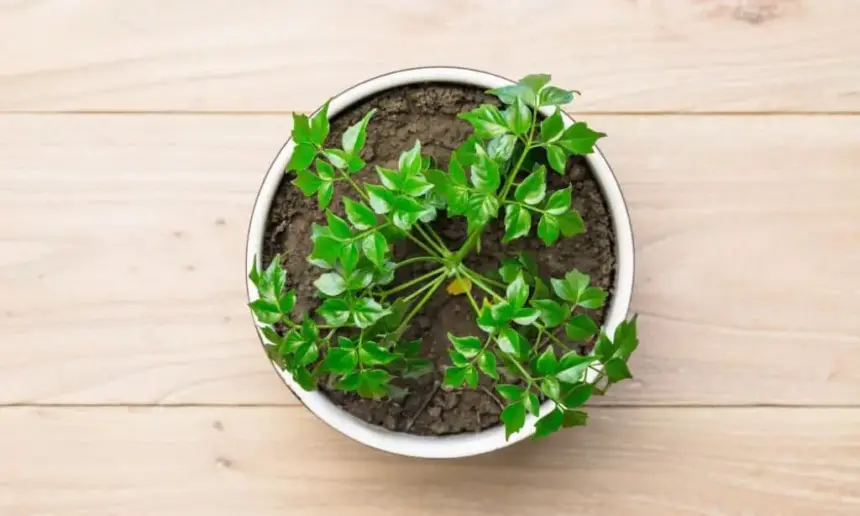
435,235
420,304
485,278
442,250
413,281
417,259
481,285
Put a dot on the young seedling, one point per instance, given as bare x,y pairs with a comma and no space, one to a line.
530,326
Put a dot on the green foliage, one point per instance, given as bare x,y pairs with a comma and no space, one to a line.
531,325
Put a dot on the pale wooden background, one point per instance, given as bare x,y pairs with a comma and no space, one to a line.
134,135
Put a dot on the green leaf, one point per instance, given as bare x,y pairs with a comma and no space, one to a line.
485,173
579,138
367,311
551,313
338,158
324,194
468,346
486,321
552,96
275,279
570,223
359,214
501,148
574,418
304,378
517,292
533,188
331,284
301,128
514,417
325,170
254,275
359,279
518,222
309,330
571,287
472,377
487,364
307,182
339,228
354,163
503,311
375,248
548,229
510,341
349,257
265,311
373,383
626,339
327,249
557,158
541,290
510,392
604,348
302,157
415,185
457,358
319,125
572,367
482,208
340,360
551,388
271,335
487,121
552,127
509,269
293,340
532,404
578,395
580,328
287,302
353,138
546,363
371,354
518,117
548,424
347,343
616,370
454,377
349,382
592,297
381,199
307,354
334,311
535,82
410,161
510,93
526,316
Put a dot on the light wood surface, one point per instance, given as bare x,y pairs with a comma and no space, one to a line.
270,461
134,136
627,55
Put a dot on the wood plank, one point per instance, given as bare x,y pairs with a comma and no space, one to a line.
631,56
122,242
273,461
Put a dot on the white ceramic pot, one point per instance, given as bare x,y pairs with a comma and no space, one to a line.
451,446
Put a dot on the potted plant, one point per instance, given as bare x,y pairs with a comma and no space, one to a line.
446,266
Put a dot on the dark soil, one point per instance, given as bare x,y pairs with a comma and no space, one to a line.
428,113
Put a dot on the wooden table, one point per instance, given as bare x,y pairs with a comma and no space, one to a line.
134,135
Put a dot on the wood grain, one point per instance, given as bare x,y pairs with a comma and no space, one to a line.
631,56
274,461
122,242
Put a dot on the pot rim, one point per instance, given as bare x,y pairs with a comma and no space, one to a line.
456,445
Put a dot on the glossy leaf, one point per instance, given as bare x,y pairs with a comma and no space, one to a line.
552,127
548,229
320,125
381,199
533,188
547,364
307,182
548,424
354,137
487,364
551,313
557,158
517,292
501,148
553,96
302,157
579,138
487,121
510,392
513,417
375,248
468,346
592,298
518,222
580,328
334,311
616,370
